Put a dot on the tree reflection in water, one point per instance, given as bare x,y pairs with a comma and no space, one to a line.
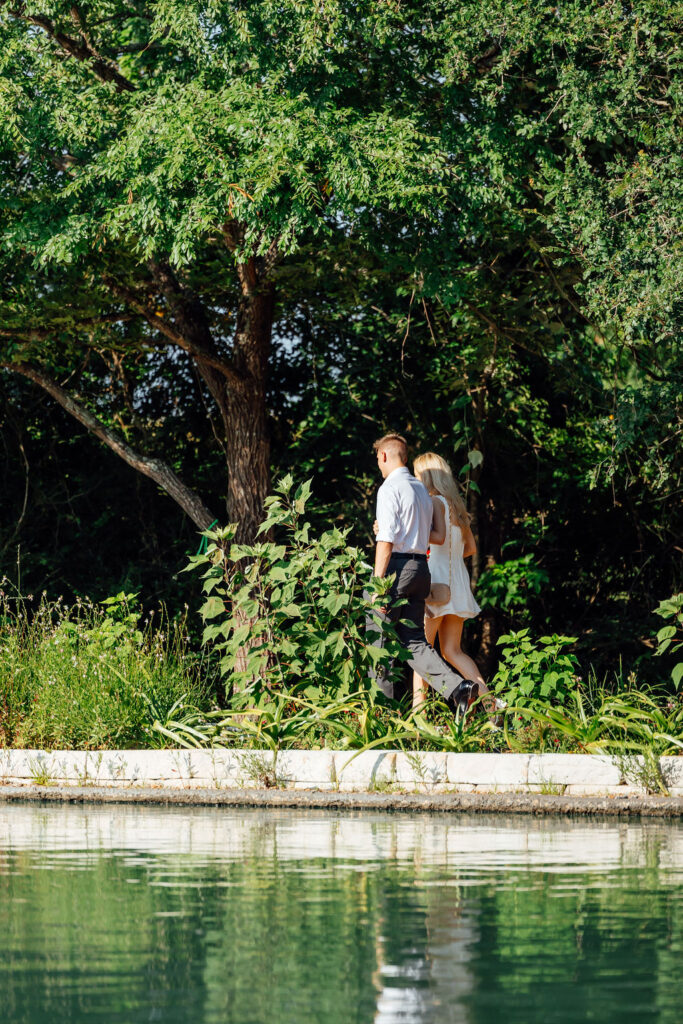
125,914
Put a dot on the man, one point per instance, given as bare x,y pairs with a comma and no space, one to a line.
404,525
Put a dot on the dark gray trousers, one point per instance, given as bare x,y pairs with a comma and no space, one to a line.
412,583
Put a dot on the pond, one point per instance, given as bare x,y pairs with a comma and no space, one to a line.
127,914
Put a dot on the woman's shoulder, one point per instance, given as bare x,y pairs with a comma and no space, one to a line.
439,500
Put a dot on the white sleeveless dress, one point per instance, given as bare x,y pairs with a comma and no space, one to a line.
446,565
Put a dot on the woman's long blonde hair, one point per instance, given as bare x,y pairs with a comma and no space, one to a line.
435,474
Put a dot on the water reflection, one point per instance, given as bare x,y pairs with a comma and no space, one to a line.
65,832
119,913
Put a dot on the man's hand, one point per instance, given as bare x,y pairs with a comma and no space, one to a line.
381,599
375,527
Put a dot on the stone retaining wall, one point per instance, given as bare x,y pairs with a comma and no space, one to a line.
341,771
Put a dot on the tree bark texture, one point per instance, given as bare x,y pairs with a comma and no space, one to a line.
237,384
247,440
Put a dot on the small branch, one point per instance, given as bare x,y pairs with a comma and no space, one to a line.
405,336
41,333
142,47
22,515
64,162
429,322
485,61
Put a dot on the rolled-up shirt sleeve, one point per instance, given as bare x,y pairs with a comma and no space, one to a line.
388,518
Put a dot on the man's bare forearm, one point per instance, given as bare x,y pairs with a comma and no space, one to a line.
382,556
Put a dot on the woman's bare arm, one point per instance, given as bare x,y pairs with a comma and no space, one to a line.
438,534
469,541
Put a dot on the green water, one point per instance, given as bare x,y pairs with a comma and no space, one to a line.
121,914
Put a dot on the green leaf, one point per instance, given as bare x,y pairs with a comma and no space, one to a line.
666,633
212,607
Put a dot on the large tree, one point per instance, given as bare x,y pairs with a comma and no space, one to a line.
162,162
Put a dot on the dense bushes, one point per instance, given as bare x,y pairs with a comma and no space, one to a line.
287,620
287,656
91,676
290,615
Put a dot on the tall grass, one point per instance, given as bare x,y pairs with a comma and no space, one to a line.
92,676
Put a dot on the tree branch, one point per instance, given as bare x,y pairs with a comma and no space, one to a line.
102,67
41,333
155,469
198,352
485,61
253,270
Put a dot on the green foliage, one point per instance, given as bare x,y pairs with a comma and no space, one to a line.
485,245
196,117
290,615
117,627
65,684
670,638
532,670
356,722
222,109
600,722
90,676
509,585
576,115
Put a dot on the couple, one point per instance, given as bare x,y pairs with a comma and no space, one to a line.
415,513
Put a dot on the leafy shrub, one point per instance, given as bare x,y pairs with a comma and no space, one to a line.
91,676
358,721
291,615
509,585
533,670
288,620
670,637
601,722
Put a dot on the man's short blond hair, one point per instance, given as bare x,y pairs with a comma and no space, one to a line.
393,444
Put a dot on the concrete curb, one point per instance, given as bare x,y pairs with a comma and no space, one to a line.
484,803
343,771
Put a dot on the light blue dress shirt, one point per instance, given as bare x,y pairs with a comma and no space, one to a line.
404,512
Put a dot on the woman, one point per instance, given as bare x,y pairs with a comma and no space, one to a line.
446,565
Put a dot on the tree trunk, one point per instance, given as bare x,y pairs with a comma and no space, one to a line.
245,410
238,384
248,457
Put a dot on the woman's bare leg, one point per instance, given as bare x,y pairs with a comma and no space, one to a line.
432,628
420,688
420,691
450,638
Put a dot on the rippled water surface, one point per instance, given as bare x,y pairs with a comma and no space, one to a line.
124,914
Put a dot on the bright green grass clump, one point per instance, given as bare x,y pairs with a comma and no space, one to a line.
92,676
